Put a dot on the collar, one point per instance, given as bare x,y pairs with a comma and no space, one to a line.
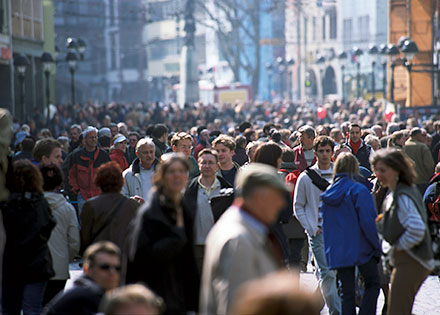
253,222
210,188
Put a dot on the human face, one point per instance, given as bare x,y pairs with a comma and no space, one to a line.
375,145
266,204
306,141
323,155
386,175
208,165
204,135
55,157
175,178
90,141
146,155
105,271
114,131
183,146
136,308
355,134
133,141
224,154
74,134
121,146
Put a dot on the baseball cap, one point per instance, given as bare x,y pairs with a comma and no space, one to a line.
257,175
119,139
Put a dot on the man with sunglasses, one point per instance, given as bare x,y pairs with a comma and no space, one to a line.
102,266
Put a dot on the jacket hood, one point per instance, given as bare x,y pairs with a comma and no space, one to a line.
55,200
334,195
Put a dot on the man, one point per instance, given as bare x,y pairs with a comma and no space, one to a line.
102,266
83,164
203,142
306,207
74,132
225,146
48,151
199,192
138,177
130,154
239,247
304,156
160,136
183,142
360,150
419,152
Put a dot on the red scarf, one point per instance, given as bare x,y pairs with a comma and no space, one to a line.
355,146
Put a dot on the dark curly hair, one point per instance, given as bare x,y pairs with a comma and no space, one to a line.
52,176
109,177
26,177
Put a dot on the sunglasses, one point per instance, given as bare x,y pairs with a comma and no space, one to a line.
107,267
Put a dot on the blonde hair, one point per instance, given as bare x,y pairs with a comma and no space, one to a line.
346,163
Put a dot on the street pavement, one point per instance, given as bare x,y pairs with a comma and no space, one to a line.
427,299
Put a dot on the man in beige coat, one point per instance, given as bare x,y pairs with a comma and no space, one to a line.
238,247
416,148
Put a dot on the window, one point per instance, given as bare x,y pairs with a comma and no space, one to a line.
348,31
364,28
324,27
113,54
333,24
27,19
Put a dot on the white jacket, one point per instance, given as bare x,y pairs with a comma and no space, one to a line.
64,241
306,201
132,180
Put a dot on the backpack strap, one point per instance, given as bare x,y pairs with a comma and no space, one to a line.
317,180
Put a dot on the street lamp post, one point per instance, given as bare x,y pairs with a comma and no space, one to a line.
321,63
269,68
342,57
289,62
281,69
373,51
358,52
409,48
71,61
21,63
392,51
383,53
47,60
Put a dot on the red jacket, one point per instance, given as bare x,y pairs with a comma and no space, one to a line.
119,157
82,171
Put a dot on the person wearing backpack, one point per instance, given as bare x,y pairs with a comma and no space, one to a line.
311,183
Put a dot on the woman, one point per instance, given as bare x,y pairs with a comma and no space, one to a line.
403,226
27,264
397,140
64,240
118,151
161,254
350,234
107,217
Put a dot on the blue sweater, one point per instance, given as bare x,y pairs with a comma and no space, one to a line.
349,227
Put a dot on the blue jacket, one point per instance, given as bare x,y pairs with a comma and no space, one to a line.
349,226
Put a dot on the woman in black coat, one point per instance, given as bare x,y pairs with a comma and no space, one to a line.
161,254
27,264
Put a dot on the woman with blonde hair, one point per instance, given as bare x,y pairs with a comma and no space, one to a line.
403,227
350,234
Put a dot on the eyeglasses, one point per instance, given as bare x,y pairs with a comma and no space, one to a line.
207,163
186,146
107,267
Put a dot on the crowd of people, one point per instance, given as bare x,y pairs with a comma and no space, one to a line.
201,209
